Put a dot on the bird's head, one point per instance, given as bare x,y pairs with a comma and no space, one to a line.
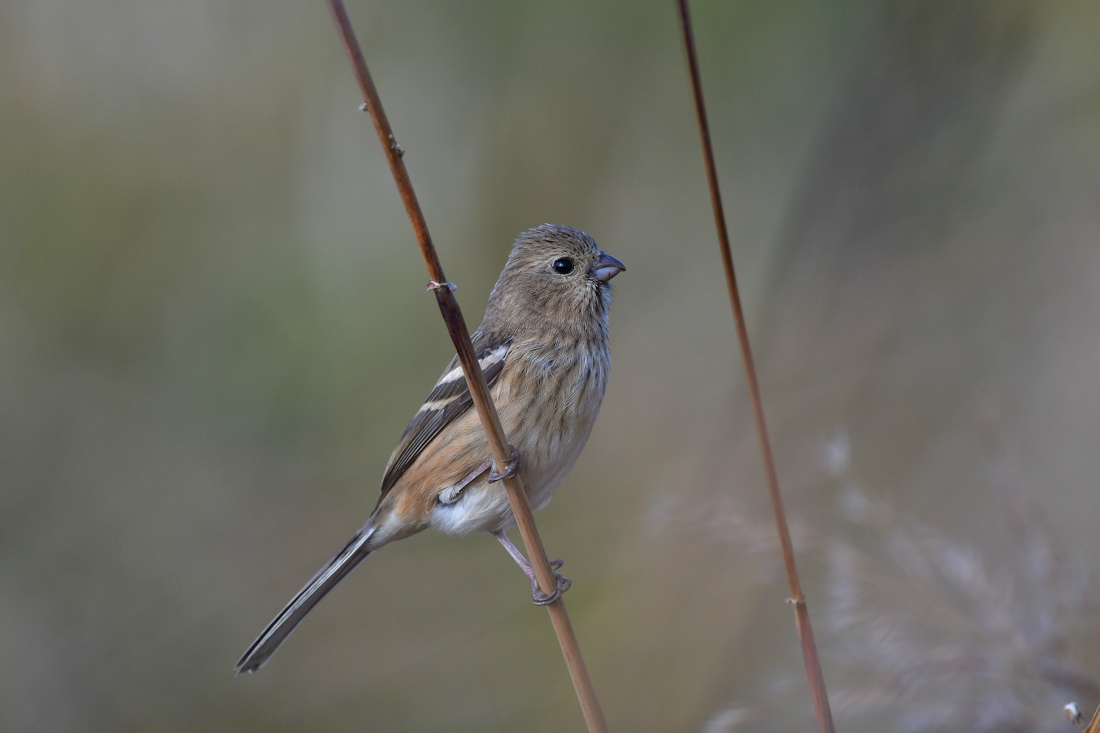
556,276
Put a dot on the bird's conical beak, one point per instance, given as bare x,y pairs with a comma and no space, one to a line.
607,267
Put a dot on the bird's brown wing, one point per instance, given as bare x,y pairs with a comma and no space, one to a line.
449,399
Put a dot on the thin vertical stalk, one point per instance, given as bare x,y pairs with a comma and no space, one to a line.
1094,724
797,599
460,335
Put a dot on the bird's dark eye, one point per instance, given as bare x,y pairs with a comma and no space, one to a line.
564,266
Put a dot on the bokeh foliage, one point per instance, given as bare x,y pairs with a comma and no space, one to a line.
213,329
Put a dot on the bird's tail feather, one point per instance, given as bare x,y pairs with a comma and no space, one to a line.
319,585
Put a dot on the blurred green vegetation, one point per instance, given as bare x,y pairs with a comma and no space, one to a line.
213,329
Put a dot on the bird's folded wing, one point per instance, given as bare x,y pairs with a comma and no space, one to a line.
450,398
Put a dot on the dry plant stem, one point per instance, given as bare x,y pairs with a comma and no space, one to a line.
460,335
802,613
1094,724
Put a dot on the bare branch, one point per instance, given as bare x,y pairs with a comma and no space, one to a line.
486,411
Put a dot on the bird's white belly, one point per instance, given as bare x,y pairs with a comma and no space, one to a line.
484,507
480,507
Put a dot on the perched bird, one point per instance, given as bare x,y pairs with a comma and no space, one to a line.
543,347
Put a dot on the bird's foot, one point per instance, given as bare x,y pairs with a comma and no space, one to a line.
509,470
542,599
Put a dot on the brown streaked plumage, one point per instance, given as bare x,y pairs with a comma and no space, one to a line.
543,347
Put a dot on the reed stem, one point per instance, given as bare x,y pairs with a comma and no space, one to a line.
797,599
483,403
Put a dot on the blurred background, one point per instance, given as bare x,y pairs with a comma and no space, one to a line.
213,329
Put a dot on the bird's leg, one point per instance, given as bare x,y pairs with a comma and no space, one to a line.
539,598
509,470
450,494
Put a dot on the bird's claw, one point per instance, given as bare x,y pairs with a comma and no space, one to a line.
562,584
509,470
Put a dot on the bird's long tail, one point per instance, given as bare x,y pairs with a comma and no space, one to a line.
325,580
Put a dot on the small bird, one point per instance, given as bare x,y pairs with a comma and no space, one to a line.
543,348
